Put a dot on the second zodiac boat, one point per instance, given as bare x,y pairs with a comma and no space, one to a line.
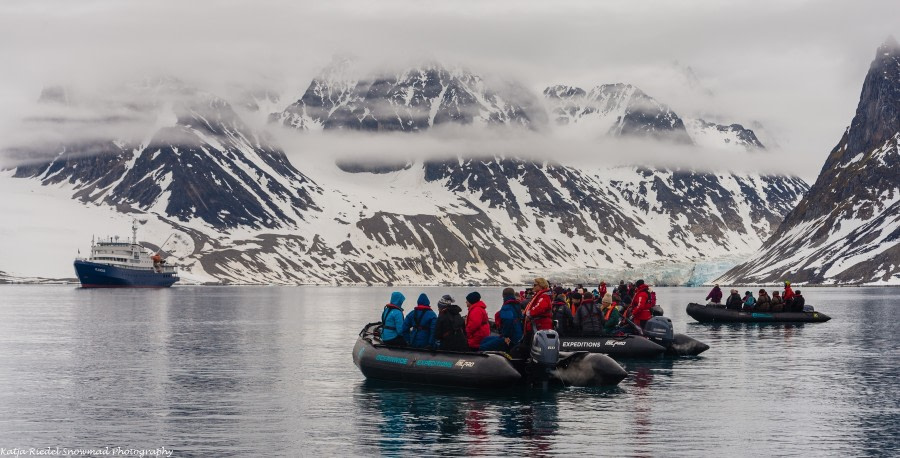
712,314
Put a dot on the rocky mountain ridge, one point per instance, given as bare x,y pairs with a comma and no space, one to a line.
846,229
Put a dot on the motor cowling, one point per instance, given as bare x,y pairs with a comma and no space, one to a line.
545,348
660,329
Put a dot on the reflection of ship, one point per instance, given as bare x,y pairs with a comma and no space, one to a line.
124,264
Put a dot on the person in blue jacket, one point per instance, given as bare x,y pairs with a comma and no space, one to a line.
511,326
509,321
418,327
392,321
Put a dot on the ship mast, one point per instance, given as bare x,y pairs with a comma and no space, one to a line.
134,231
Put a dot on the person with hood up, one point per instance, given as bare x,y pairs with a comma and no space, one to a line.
734,301
640,304
562,314
477,326
450,330
749,300
715,295
601,291
611,315
763,301
777,303
392,321
589,317
418,327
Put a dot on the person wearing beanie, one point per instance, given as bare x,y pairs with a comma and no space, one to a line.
419,325
588,317
574,301
392,321
450,330
749,300
477,325
611,315
508,321
510,315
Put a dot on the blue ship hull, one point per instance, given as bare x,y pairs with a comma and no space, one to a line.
94,275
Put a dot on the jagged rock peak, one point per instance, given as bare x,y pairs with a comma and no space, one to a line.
412,99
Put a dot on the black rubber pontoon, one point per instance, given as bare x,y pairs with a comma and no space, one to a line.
477,369
627,346
714,314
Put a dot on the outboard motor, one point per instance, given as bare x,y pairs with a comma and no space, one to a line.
660,330
545,351
656,310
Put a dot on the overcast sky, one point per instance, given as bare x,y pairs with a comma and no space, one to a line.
796,67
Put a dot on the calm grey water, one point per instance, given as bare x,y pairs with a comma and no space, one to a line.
257,371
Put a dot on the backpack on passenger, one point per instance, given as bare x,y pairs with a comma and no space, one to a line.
562,319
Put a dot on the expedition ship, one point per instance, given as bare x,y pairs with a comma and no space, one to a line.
115,264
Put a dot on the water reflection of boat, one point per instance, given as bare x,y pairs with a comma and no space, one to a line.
406,420
482,369
712,314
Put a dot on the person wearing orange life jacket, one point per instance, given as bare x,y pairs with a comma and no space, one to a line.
157,262
611,316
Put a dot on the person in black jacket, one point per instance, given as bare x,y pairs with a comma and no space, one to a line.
798,303
563,321
734,301
450,330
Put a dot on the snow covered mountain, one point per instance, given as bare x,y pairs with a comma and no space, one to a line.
625,110
846,229
411,100
247,214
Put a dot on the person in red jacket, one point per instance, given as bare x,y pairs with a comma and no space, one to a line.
538,312
477,326
602,290
640,305
788,296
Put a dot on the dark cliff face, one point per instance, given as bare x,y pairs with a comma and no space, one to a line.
844,225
